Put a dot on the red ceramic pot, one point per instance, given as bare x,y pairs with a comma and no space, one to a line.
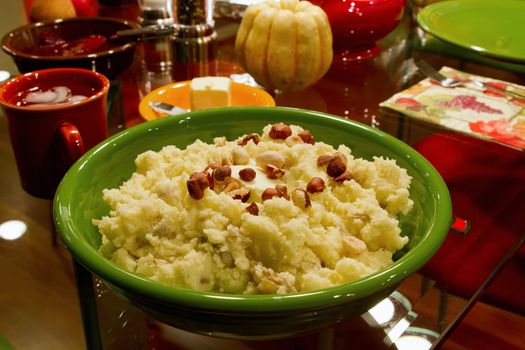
110,60
358,24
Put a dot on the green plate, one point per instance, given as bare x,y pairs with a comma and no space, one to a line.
488,27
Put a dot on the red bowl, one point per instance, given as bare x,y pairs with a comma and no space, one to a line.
111,60
358,24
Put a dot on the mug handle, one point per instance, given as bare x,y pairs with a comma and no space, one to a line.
72,143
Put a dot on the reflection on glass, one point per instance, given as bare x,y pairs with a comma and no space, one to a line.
383,312
389,311
12,229
413,342
416,339
4,75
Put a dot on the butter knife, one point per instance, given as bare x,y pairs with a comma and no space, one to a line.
164,107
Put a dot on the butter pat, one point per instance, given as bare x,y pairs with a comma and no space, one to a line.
210,92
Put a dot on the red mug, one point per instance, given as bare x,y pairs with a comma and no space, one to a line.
47,138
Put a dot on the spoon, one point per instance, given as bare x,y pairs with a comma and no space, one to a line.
148,32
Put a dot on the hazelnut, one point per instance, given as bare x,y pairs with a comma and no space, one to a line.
335,167
343,177
301,198
283,191
273,158
280,131
324,159
248,138
353,245
273,172
307,137
293,140
315,185
227,259
240,156
269,193
253,209
222,172
247,174
242,194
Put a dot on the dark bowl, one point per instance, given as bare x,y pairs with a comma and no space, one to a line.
79,199
110,61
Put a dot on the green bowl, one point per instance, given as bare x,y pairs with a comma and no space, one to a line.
79,199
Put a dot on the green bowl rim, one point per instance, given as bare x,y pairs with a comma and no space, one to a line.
220,302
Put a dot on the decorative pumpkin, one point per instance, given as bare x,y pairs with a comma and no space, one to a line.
285,45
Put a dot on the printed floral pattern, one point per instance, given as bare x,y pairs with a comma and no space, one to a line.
478,112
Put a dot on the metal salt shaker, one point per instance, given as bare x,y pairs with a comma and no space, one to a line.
157,51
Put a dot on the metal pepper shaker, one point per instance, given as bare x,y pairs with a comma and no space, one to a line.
196,39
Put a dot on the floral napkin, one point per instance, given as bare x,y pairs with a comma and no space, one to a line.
471,110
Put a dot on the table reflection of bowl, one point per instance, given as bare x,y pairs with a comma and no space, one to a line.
79,199
81,42
358,24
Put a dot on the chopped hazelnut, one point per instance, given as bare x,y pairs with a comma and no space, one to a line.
210,180
212,166
353,245
247,138
226,160
324,159
315,185
222,172
269,193
267,286
343,177
253,209
301,198
280,131
362,217
227,259
242,194
247,174
335,167
273,172
307,137
283,191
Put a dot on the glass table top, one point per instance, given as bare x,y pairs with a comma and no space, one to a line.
484,180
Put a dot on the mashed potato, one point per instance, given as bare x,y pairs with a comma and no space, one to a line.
313,216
